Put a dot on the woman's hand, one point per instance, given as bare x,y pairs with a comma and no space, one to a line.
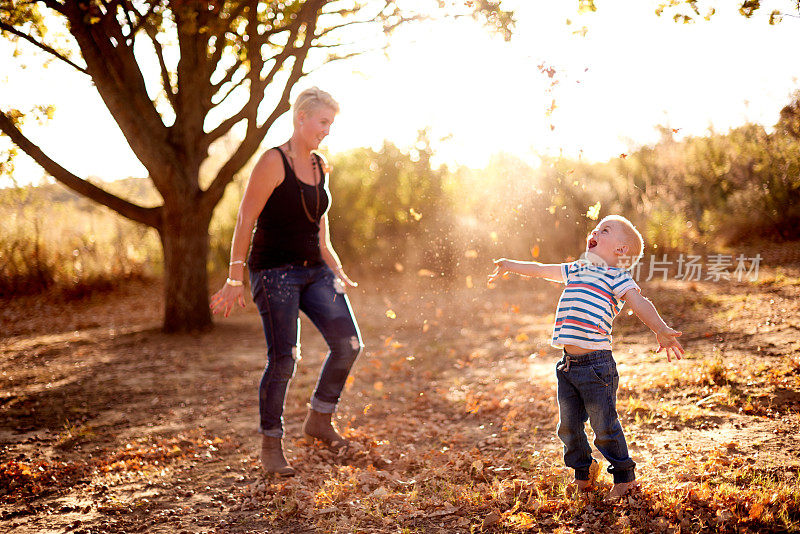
346,279
224,299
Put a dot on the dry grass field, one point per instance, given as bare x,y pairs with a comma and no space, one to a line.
108,425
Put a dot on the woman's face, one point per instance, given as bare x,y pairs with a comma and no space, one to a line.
315,125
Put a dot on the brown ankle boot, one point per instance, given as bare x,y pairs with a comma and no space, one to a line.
272,458
319,426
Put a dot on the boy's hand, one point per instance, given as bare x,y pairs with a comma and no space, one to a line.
500,270
668,342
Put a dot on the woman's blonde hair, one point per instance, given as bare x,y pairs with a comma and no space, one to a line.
311,99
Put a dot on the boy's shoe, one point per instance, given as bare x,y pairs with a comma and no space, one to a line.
620,490
594,474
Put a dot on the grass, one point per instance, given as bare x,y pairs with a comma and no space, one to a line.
74,434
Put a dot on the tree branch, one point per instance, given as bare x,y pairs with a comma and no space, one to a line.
54,5
229,91
141,22
120,83
165,81
343,25
148,216
219,37
255,134
228,76
53,52
257,87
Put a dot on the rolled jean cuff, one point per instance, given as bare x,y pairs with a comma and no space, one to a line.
582,474
271,432
621,477
322,406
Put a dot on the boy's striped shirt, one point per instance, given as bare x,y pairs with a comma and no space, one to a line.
589,304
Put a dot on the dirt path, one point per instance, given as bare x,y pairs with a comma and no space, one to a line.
107,425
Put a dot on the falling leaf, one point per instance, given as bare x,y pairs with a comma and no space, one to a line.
522,336
469,282
623,155
676,130
471,253
367,408
594,211
398,267
349,382
535,251
426,272
552,210
582,32
391,314
378,386
493,236
417,216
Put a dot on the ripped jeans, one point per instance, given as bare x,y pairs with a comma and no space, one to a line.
280,294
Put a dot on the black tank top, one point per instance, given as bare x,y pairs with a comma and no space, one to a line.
283,232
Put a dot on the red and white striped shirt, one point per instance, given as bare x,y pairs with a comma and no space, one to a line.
589,304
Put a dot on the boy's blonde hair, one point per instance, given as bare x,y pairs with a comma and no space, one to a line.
633,238
311,99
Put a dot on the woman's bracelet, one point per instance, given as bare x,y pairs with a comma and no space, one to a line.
234,283
237,262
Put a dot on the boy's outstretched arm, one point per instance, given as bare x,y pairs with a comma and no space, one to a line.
549,271
666,336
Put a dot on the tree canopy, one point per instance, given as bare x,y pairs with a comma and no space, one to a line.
219,64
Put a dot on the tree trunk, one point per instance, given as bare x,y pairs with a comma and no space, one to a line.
184,237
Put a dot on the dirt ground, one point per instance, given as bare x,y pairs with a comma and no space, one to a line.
108,425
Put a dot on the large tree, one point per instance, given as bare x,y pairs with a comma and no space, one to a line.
235,64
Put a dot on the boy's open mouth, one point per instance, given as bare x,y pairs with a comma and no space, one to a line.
592,243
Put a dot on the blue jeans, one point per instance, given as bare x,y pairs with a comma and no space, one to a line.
587,389
280,294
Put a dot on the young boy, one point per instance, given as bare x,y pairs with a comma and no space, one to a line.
597,286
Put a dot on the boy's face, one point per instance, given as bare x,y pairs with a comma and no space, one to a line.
607,241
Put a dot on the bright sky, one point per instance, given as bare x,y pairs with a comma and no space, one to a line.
489,96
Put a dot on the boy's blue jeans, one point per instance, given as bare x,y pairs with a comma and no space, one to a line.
280,294
587,389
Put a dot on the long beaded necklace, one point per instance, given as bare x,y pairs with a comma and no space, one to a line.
315,172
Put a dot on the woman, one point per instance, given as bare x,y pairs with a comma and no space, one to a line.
293,267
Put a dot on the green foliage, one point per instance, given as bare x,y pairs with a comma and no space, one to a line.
392,210
388,204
